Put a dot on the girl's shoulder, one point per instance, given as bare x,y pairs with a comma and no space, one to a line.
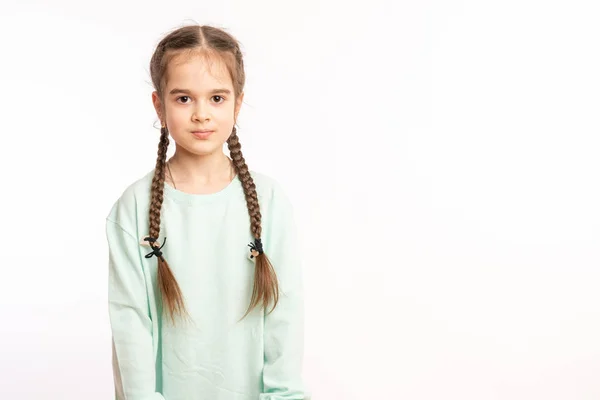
266,185
273,198
134,197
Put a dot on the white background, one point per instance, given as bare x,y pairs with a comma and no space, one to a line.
442,158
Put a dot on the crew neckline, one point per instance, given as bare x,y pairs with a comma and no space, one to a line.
192,198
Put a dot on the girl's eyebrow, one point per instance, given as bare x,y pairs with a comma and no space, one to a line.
186,91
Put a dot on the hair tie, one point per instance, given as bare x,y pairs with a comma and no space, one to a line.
256,248
155,249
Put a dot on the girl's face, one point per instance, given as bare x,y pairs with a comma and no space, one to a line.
198,96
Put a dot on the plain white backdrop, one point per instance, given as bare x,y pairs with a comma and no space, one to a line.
442,157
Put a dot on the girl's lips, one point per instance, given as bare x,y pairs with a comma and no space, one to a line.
202,135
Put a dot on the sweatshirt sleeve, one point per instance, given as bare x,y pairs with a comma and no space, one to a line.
284,327
133,354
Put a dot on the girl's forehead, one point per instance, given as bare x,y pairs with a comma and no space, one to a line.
198,70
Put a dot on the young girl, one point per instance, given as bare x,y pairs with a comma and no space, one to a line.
215,312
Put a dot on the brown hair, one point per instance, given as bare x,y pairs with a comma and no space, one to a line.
207,41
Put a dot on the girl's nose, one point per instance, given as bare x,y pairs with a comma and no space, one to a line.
201,112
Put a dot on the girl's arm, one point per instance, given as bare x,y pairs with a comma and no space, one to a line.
133,354
284,327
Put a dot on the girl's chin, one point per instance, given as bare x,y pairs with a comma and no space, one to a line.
204,148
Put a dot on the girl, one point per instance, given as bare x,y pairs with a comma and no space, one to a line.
215,313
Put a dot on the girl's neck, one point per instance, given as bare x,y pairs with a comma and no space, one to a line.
198,174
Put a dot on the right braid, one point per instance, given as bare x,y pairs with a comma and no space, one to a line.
266,288
169,289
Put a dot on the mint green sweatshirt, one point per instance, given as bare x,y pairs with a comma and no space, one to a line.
212,357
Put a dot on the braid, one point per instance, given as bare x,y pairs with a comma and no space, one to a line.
266,288
157,184
170,291
247,182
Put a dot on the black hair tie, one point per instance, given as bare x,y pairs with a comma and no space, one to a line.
155,249
256,246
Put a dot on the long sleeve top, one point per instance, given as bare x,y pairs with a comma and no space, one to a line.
214,355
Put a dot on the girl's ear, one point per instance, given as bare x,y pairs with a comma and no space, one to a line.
238,105
157,105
